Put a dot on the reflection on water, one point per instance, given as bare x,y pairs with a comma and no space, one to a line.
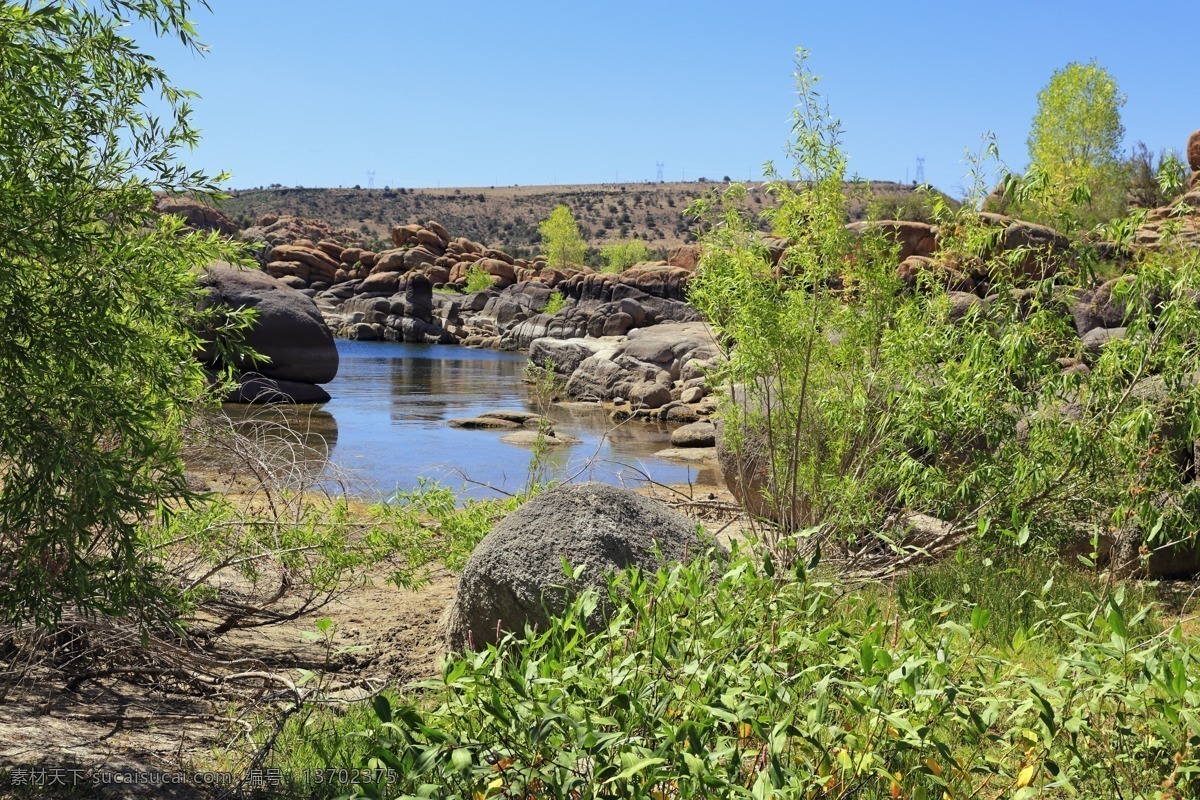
386,424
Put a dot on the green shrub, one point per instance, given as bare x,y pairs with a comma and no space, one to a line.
623,255
915,206
1075,150
314,549
555,304
1151,185
478,279
758,684
561,241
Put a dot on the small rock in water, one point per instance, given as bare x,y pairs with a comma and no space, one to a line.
692,455
572,405
530,438
519,417
483,423
698,434
681,414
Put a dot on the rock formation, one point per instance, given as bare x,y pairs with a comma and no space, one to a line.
1176,224
197,215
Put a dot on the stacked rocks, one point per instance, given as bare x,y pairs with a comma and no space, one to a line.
1182,216
303,263
273,229
1045,251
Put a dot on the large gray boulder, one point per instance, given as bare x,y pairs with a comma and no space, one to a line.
290,331
515,576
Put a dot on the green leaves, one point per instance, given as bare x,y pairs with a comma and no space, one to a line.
623,255
102,310
1076,178
687,694
561,242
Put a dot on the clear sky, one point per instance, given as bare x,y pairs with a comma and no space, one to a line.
441,93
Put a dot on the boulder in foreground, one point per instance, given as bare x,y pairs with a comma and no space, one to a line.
515,576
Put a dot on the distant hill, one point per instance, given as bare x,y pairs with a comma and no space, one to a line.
507,216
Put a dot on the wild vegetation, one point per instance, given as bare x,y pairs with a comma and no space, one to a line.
757,683
867,401
1001,671
93,424
623,255
986,665
1075,147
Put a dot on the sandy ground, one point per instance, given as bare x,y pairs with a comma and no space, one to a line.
109,727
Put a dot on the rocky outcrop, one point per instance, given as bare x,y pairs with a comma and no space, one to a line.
685,256
649,369
197,215
1045,251
515,577
912,238
289,331
654,280
1176,225
402,310
272,230
596,304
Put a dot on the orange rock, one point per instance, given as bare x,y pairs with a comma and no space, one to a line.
431,240
913,238
685,256
390,261
321,265
331,249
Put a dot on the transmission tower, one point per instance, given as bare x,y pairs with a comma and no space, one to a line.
658,165
920,170
370,179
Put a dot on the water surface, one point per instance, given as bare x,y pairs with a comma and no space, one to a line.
387,425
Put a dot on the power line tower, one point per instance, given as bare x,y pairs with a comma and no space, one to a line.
658,166
920,170
370,179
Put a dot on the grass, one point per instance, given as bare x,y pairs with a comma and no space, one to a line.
1021,593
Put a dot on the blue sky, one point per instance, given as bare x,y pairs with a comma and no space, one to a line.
303,92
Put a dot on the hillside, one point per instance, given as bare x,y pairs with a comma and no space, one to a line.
507,216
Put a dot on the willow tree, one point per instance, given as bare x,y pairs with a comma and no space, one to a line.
100,322
1075,145
561,241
